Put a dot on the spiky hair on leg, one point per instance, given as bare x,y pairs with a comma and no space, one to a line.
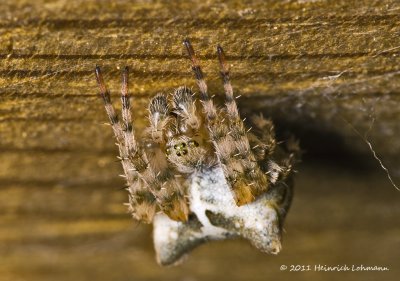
159,117
232,147
185,108
142,199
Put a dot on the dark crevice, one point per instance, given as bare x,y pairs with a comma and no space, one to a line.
325,147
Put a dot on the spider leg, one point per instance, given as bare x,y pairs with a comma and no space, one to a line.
289,160
264,146
208,105
188,122
230,142
159,118
141,199
249,181
216,127
105,94
135,153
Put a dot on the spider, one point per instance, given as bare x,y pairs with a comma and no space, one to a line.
192,165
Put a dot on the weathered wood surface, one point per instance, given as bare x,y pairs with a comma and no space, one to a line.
317,68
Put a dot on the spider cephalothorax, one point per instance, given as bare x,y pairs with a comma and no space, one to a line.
202,168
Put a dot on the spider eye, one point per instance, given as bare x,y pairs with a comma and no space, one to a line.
183,144
193,143
184,152
178,153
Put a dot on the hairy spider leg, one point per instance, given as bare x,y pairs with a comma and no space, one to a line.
142,201
218,130
129,137
230,142
249,180
112,115
188,121
265,146
159,118
215,125
208,105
